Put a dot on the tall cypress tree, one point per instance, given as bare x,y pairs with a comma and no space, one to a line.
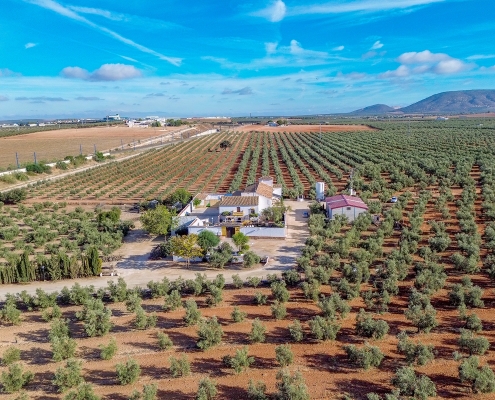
24,268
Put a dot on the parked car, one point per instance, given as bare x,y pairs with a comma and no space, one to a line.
393,200
305,214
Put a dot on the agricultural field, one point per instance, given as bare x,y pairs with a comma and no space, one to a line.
422,273
54,145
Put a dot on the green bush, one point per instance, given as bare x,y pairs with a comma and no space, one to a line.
14,378
63,347
11,355
237,281
50,314
291,387
258,330
96,318
207,389
68,376
366,326
283,355
215,296
420,354
193,315
173,301
256,390
128,373
365,357
164,342
149,393
260,299
280,291
334,306
472,344
296,331
279,310
253,281
238,315
83,392
323,329
409,384
180,366
210,333
473,323
240,361
143,320
481,379
9,313
107,352
250,259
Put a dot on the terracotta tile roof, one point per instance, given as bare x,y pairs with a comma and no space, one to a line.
345,201
239,201
264,190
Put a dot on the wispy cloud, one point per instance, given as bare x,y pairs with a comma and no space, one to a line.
107,72
4,72
67,12
4,98
129,59
41,99
29,45
154,95
83,98
377,45
481,57
242,92
423,62
338,48
275,12
357,6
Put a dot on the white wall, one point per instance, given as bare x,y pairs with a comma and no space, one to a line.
245,210
249,231
350,214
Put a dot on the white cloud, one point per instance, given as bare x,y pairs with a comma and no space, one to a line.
418,63
91,98
271,47
481,57
377,45
358,6
4,98
129,59
29,45
67,12
107,72
369,54
6,72
338,48
275,12
242,92
98,11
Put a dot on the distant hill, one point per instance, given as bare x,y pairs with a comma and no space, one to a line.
462,101
375,109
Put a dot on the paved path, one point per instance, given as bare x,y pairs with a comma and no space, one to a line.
138,270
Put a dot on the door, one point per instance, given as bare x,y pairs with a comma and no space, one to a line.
230,231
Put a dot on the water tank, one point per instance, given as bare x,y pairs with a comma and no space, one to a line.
320,190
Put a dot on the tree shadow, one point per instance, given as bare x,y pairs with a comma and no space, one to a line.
154,371
90,353
145,346
359,388
212,365
36,356
99,377
173,395
40,335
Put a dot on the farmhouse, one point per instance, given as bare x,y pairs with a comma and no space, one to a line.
350,206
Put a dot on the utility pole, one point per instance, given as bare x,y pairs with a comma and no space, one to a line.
80,149
121,144
35,162
17,160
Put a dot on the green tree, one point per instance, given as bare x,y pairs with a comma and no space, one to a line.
14,379
258,331
68,376
256,390
240,240
158,221
283,355
207,240
410,385
365,357
238,315
192,315
128,373
94,261
291,387
207,389
481,379
181,195
180,366
296,331
11,355
96,318
186,247
82,392
240,361
108,351
164,341
210,333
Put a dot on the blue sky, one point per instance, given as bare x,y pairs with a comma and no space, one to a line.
229,57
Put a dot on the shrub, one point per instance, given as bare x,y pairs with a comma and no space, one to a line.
50,314
159,289
9,313
128,373
207,389
256,390
279,310
210,333
283,355
96,318
323,329
68,376
14,379
133,302
260,299
149,393
333,305
368,327
250,259
118,292
180,366
240,362
215,296
472,344
173,301
107,352
143,320
280,292
164,342
423,317
311,289
193,315
365,357
473,323
296,331
11,355
254,281
420,354
238,315
409,384
291,387
237,281
63,348
83,392
481,379
258,331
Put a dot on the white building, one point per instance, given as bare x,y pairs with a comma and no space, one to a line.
349,206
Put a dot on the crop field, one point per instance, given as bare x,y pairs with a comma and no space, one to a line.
54,145
423,274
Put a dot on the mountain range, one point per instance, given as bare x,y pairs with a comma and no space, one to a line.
456,102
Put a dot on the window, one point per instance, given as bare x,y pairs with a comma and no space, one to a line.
348,208
238,209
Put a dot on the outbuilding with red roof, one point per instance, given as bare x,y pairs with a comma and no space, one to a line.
350,206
